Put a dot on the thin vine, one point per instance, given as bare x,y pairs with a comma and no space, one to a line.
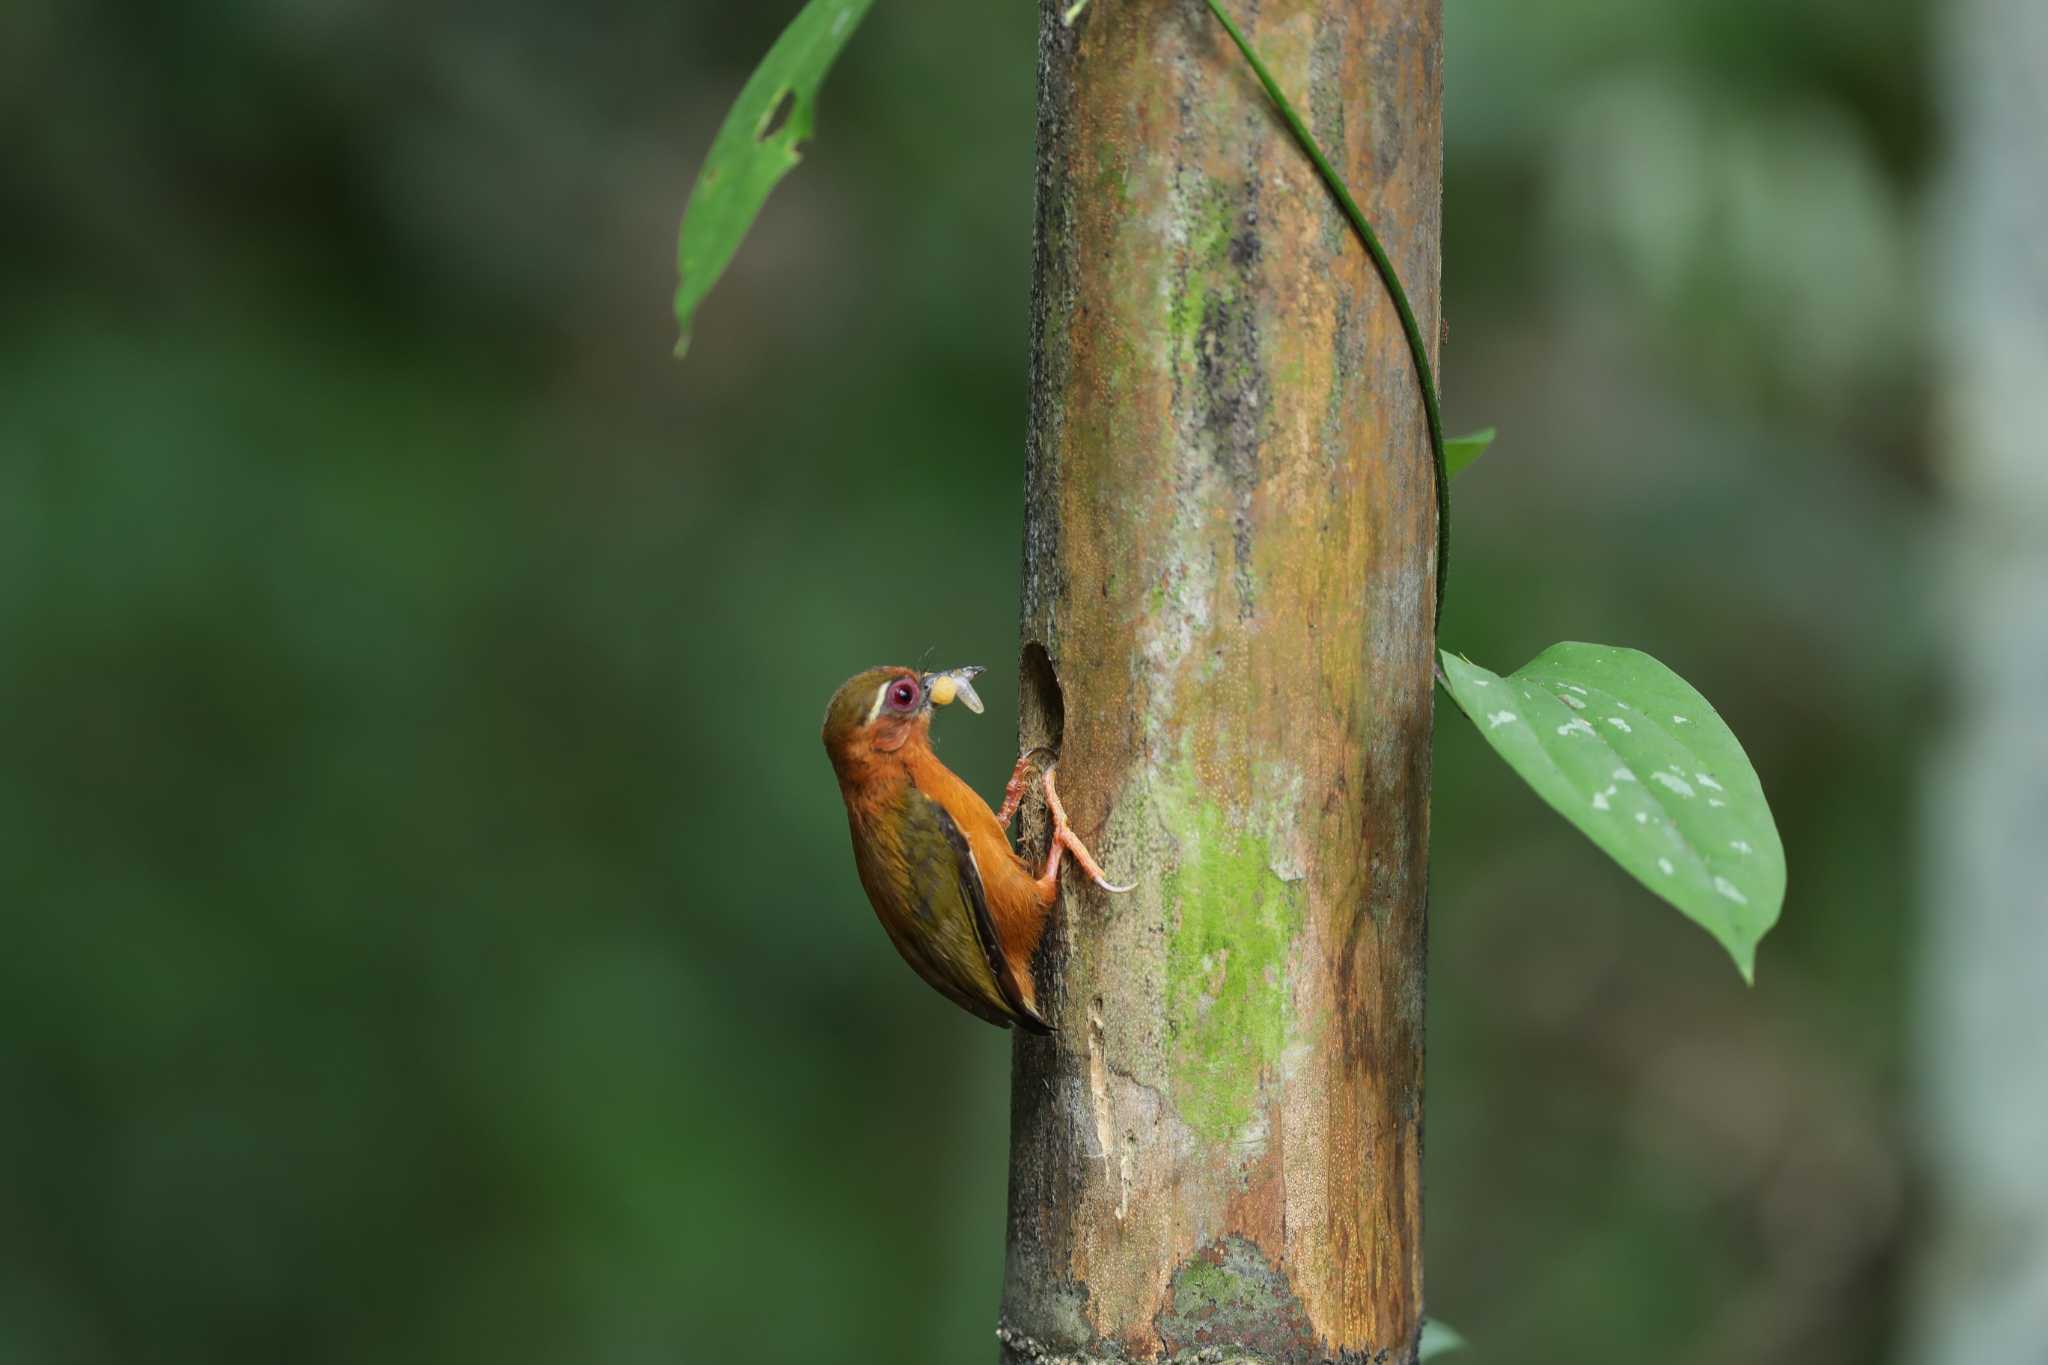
1388,275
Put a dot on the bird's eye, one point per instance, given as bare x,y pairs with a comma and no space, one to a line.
903,695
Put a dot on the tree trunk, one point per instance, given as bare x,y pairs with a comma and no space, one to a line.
1227,597
1984,1034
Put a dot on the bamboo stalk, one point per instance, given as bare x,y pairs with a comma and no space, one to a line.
1227,603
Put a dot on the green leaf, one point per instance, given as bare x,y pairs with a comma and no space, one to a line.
1460,451
1438,1340
756,147
1626,750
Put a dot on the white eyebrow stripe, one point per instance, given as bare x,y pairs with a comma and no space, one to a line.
880,694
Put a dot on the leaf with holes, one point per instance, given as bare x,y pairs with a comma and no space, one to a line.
1437,1340
1626,750
758,145
1460,451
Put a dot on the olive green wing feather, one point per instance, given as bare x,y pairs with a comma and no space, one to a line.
956,937
969,873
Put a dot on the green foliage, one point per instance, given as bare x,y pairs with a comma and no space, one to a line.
394,869
1626,750
1438,1340
1460,451
758,144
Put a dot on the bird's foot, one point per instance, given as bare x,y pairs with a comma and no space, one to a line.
1065,840
1019,783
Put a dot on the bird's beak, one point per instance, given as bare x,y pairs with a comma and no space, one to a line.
941,688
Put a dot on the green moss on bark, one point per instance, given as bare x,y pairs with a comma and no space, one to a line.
1227,1001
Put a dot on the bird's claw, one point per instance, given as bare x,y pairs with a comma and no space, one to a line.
1063,837
1020,781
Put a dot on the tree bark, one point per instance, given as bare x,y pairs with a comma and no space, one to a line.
1983,1291
1228,583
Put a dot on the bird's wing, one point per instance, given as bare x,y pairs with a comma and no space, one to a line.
955,946
969,872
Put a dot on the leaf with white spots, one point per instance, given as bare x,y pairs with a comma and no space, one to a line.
1716,857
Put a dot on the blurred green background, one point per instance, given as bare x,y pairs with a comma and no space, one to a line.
431,934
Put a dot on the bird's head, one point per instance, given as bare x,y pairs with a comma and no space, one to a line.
876,713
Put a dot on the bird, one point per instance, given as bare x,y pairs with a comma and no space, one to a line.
962,906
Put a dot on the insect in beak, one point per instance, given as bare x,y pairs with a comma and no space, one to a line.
941,688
